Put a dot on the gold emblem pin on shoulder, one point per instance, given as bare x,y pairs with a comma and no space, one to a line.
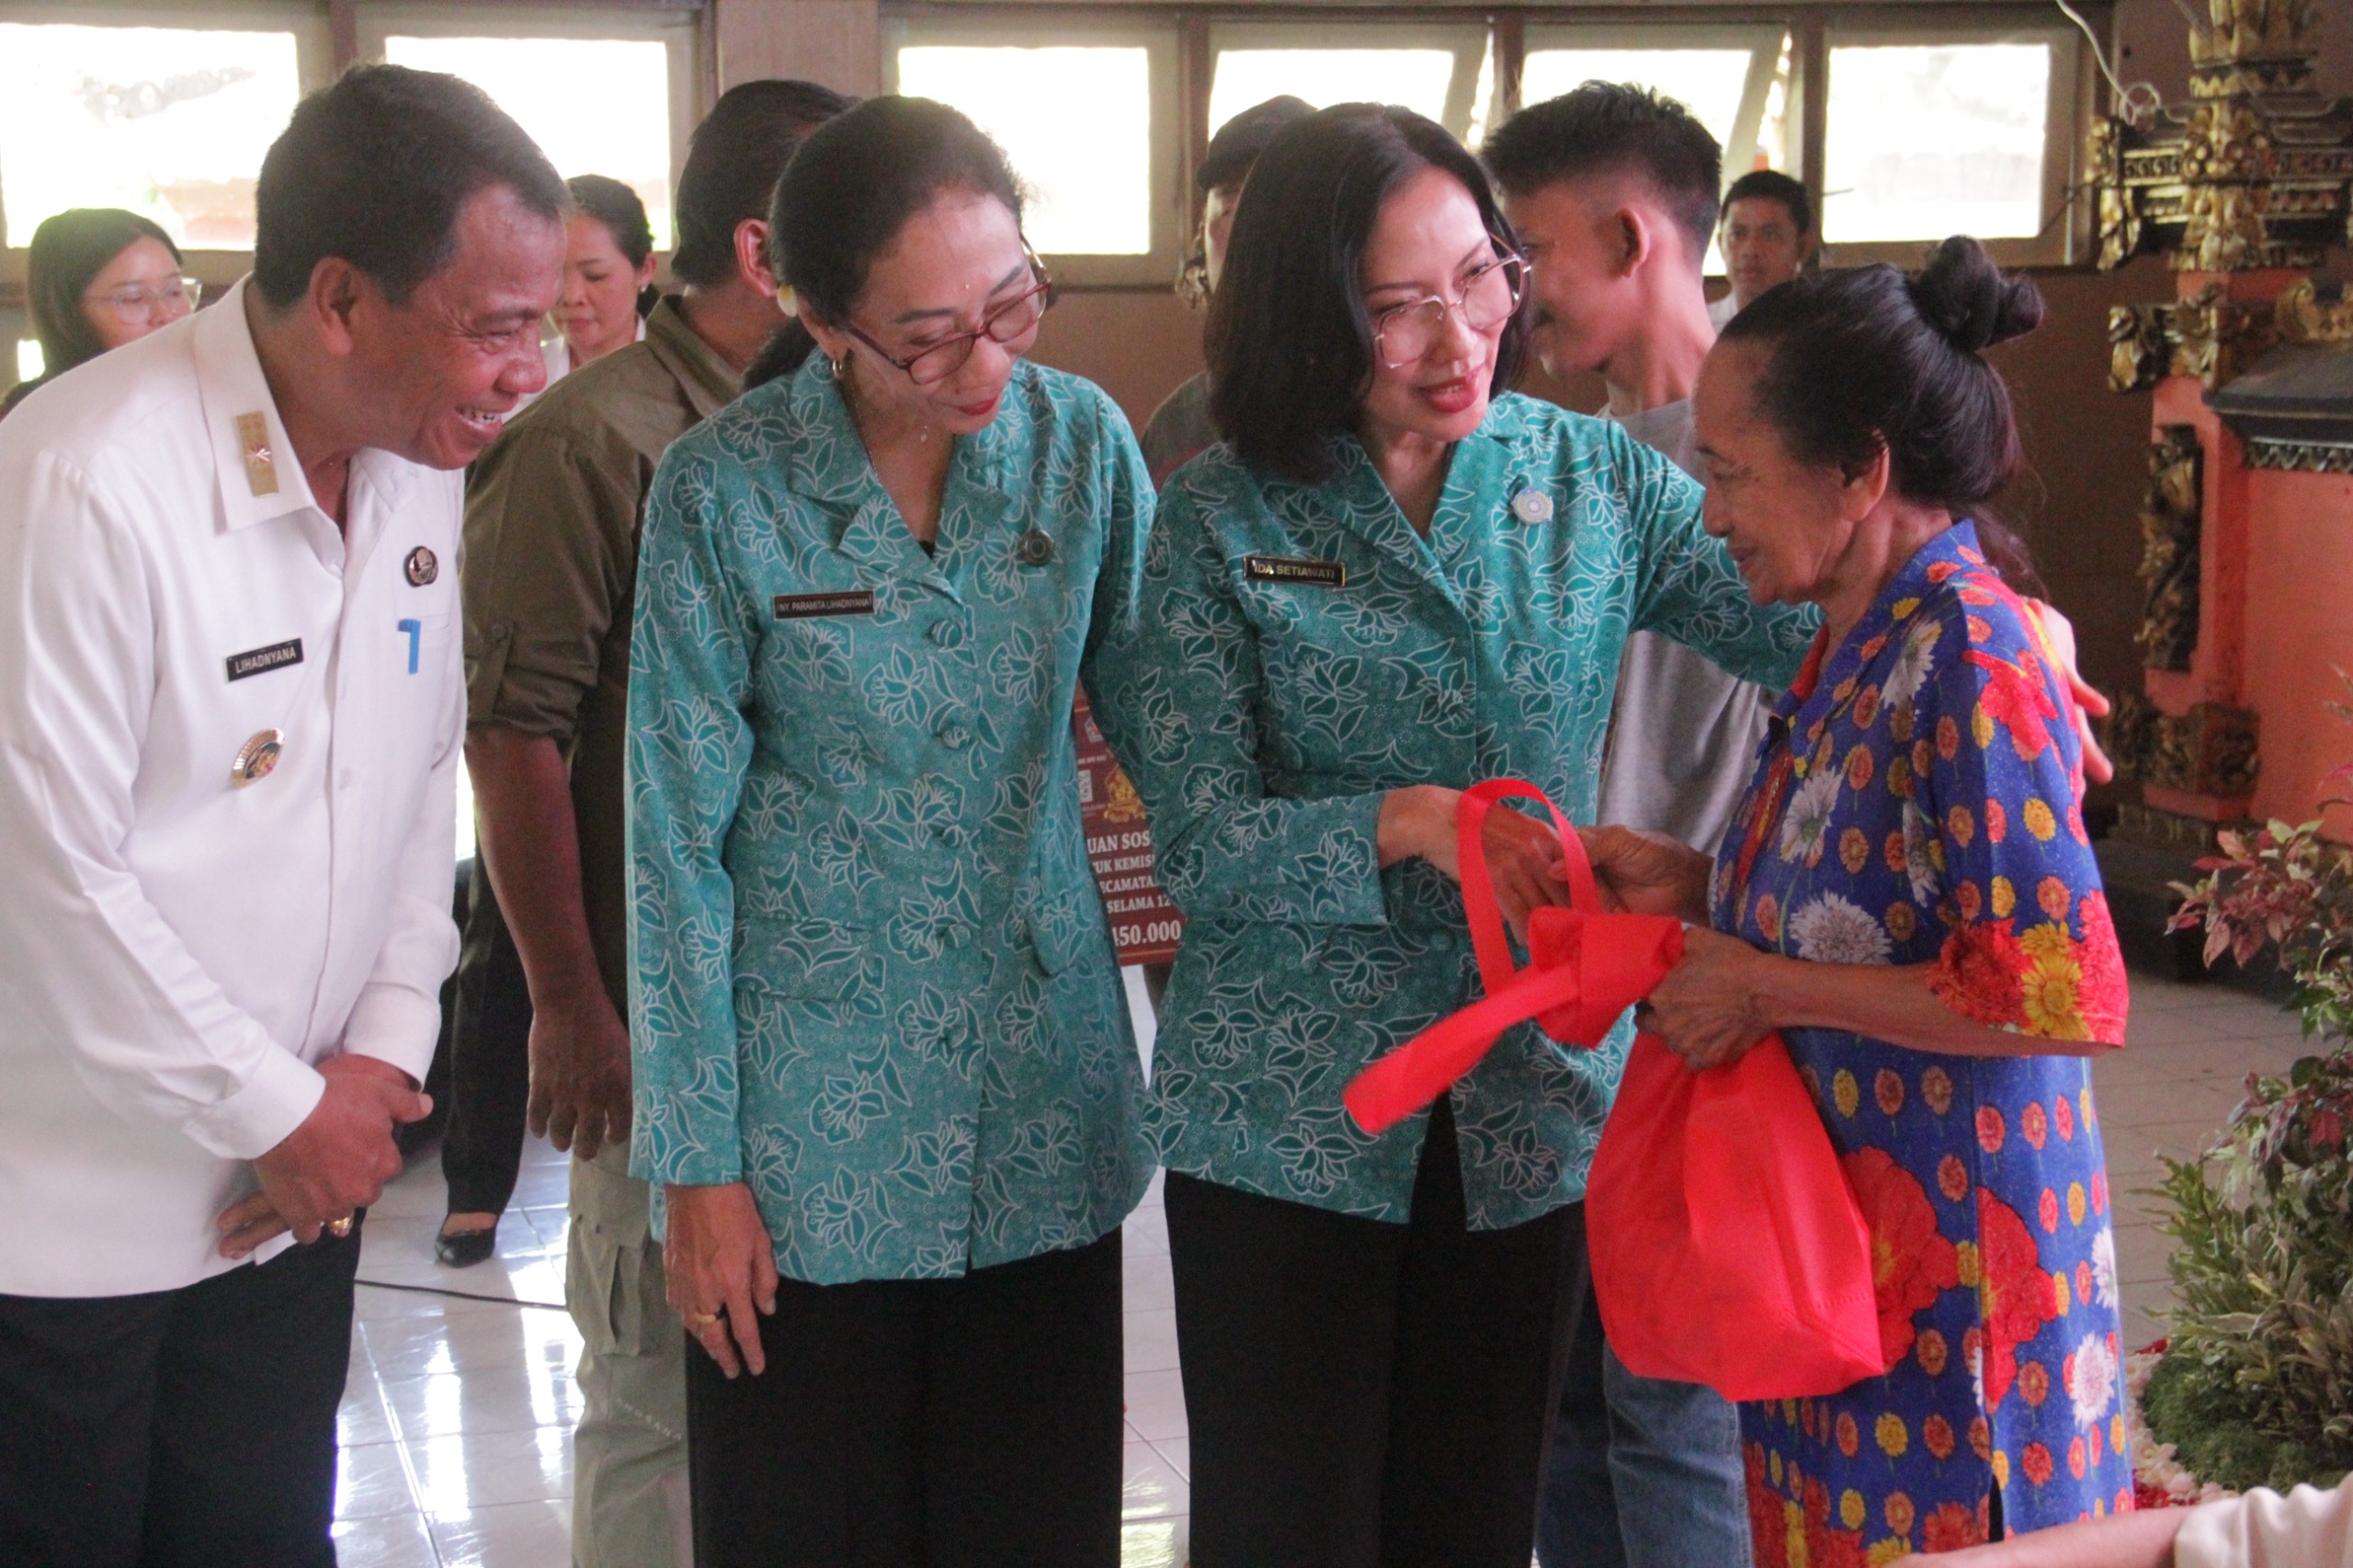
421,566
257,757
261,463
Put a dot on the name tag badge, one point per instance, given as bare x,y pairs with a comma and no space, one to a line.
806,606
1299,571
260,661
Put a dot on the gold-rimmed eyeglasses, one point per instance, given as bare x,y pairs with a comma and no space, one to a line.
136,305
1011,324
1403,333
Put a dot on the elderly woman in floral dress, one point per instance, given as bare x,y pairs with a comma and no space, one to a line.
1909,895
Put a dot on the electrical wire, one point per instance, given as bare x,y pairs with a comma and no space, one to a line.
2139,99
461,1295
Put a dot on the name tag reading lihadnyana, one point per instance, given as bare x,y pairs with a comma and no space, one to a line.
1303,572
806,606
258,661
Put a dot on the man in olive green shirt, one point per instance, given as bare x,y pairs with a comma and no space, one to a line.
551,524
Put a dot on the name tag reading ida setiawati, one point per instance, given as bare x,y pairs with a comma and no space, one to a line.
1304,571
805,606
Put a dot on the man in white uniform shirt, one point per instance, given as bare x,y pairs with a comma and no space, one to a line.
230,713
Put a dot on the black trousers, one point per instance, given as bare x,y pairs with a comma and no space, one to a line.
1362,1394
489,1065
180,1428
920,1423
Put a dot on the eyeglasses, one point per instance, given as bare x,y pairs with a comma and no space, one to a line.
1010,323
135,304
1403,333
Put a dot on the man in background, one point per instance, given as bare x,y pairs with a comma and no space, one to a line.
551,522
1612,189
1769,238
230,708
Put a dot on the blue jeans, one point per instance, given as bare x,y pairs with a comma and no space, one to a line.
1643,1473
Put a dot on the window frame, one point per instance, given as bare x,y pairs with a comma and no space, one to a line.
314,68
1470,39
676,26
2065,237
1157,35
1764,40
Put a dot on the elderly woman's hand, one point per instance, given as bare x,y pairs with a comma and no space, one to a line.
1523,855
1710,1008
721,1270
1647,873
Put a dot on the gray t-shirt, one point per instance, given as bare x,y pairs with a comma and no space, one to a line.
1683,736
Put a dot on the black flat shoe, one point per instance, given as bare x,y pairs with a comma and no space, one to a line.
463,1249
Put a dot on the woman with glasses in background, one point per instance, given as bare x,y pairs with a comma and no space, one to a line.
1394,579
96,278
884,1073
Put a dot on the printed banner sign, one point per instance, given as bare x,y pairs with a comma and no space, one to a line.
1144,925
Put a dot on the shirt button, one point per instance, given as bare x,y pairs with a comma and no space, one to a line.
954,736
946,633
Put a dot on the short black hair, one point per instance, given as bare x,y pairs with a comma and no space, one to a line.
1772,185
1864,360
852,186
733,162
1239,141
374,170
1290,342
1603,127
68,250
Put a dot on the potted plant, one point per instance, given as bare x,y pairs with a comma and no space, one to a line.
2253,1385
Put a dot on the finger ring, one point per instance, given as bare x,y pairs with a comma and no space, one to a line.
339,1227
702,1320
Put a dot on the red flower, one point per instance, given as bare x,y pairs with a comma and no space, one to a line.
1952,1179
2017,698
2018,1299
2034,1383
1768,1530
2101,997
2033,1124
2099,1192
1998,821
1952,1526
1990,1129
1937,1433
2036,1462
1825,1546
1979,974
2062,1116
2083,1281
1851,1437
1948,738
2075,1459
1911,1262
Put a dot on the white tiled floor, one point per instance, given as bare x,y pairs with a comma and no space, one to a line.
457,1420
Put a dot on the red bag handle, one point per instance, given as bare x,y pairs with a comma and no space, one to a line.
1487,937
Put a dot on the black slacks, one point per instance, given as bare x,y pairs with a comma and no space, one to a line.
180,1428
490,1061
920,1423
1362,1394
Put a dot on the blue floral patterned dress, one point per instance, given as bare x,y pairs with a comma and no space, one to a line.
1914,805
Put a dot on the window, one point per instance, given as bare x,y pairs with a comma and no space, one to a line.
1930,137
1735,79
29,363
1091,193
601,92
1433,70
169,122
1086,114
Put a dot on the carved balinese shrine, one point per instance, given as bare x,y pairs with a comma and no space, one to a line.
2247,517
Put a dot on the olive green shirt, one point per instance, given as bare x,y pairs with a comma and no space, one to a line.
553,514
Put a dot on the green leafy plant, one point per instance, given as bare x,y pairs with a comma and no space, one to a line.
2255,1386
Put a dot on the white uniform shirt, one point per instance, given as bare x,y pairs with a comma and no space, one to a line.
176,952
2306,1529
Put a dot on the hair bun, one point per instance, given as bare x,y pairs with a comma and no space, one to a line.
1964,296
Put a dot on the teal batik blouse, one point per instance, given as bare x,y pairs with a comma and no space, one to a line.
1299,652
871,974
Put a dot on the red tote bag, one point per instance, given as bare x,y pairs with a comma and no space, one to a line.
1727,1247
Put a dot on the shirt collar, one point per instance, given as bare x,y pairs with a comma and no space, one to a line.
255,463
1834,669
710,382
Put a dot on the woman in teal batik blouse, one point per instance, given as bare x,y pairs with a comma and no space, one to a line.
1393,580
882,1046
